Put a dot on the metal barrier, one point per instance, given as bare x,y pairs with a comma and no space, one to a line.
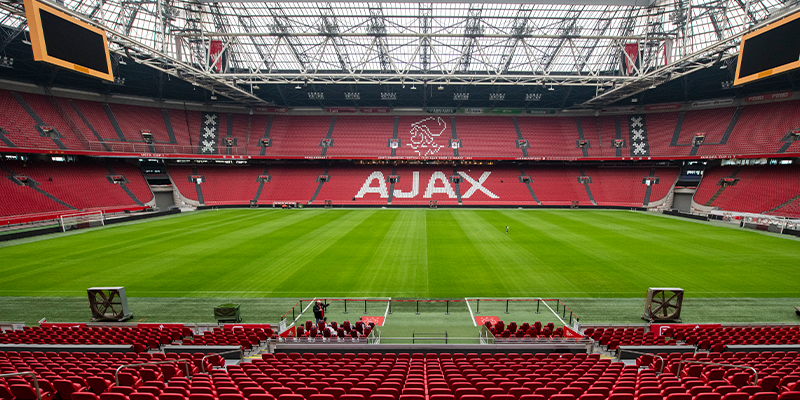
680,366
186,364
203,364
35,382
429,336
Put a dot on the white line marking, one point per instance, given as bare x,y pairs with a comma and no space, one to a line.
304,310
470,313
386,314
554,313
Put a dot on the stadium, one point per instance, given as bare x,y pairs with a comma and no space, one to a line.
508,200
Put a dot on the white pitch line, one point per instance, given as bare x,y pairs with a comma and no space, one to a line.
470,313
304,310
386,314
554,313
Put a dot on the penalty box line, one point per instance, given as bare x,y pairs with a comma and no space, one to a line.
475,323
386,314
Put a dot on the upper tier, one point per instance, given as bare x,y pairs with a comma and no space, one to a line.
37,123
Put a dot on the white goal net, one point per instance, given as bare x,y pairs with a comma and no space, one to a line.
81,220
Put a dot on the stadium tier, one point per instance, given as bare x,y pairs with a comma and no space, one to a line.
714,338
51,187
376,376
754,189
418,185
37,122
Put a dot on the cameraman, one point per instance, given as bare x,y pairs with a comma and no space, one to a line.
319,311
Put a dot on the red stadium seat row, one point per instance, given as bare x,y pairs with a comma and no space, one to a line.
88,125
394,377
703,338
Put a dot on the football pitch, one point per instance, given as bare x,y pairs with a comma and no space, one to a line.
598,262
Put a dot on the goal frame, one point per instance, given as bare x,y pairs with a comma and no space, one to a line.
81,217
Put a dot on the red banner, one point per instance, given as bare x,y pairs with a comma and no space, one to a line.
291,332
631,54
568,332
341,110
378,321
660,328
215,54
374,110
767,97
482,319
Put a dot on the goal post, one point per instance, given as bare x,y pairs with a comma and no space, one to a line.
80,220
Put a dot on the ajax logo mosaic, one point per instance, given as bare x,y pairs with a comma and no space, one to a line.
425,134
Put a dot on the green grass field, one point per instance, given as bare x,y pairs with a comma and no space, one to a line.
600,263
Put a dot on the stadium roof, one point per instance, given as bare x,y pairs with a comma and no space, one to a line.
283,45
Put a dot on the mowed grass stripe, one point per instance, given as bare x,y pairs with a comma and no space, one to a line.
406,253
578,254
400,260
308,269
455,266
671,254
509,261
176,261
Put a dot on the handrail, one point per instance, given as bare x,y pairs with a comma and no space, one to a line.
35,381
186,364
649,354
203,364
755,373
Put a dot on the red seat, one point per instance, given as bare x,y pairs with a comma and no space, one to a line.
723,390
306,392
66,388
351,397
126,390
129,379
679,396
708,396
261,396
547,392
97,384
200,396
388,391
84,396
149,389
764,396
750,389
142,396
171,396
736,396
113,396
740,379
334,391
5,392
789,396
26,392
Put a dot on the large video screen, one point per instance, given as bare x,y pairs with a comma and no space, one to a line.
769,50
59,39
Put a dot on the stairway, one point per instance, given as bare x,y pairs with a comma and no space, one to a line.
722,187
